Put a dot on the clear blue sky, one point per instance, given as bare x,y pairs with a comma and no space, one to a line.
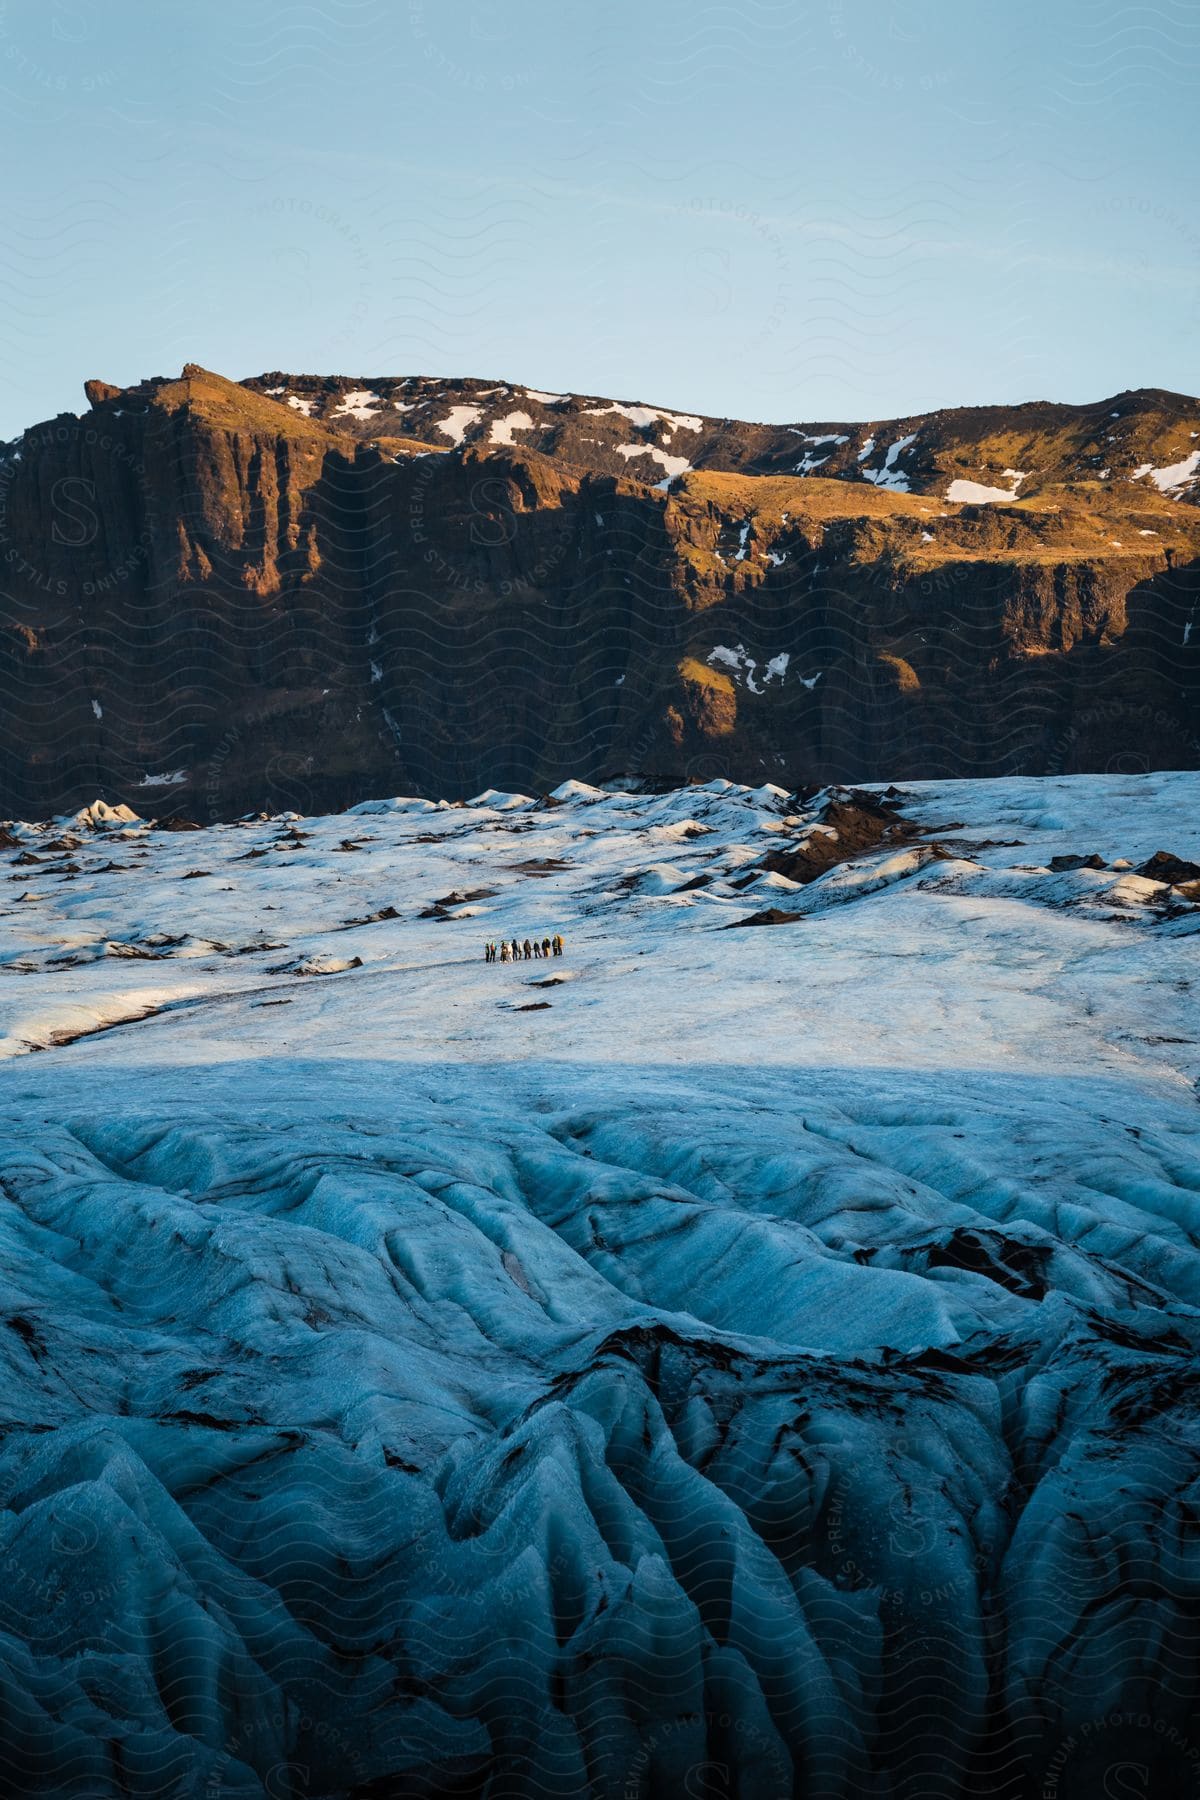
835,209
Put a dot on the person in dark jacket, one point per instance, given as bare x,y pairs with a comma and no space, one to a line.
545,946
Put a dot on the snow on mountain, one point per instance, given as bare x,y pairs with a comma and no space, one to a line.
1174,477
359,403
650,415
764,1350
674,465
502,429
741,665
975,493
888,475
458,421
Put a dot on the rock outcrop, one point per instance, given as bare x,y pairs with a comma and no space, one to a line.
297,592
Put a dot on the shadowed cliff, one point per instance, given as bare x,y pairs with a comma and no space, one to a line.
297,592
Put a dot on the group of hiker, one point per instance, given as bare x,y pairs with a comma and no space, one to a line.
512,951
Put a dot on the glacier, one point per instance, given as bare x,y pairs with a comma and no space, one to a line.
714,1362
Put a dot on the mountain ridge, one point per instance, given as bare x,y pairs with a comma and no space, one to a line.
754,446
302,590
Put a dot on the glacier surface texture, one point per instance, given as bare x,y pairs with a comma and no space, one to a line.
751,1362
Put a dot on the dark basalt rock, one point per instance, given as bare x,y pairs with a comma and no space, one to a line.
99,392
375,918
857,823
1164,866
771,915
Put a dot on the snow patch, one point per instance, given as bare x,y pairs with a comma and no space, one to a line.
888,476
674,465
99,816
499,801
577,790
502,429
1172,478
399,803
648,415
458,422
359,403
745,667
975,493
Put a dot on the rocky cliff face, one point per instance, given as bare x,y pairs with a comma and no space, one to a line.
300,592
